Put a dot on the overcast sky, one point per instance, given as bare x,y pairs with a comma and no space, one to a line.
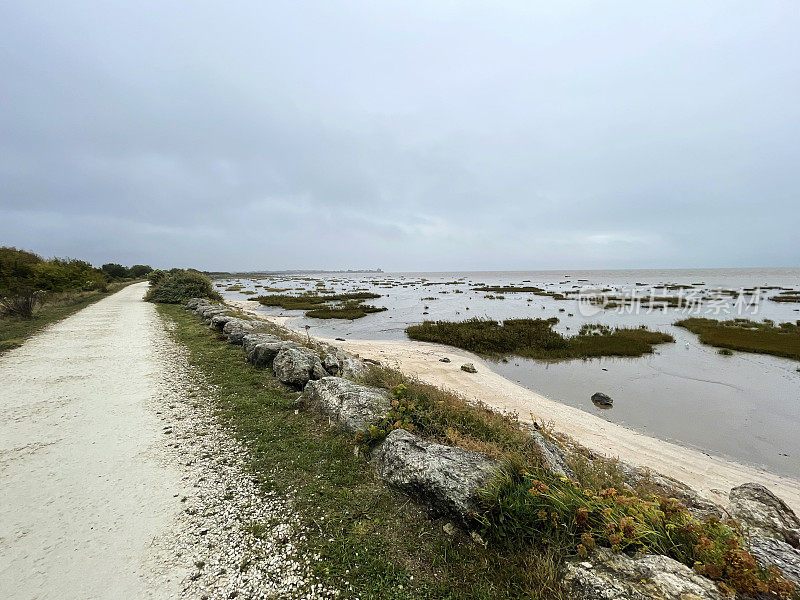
405,135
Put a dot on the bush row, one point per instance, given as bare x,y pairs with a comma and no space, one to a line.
28,280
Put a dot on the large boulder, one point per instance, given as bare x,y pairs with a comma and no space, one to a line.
352,367
236,329
341,363
219,321
194,303
443,478
611,576
251,340
207,311
553,457
331,363
296,366
355,407
771,552
761,511
263,353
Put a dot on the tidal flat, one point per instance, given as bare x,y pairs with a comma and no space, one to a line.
743,406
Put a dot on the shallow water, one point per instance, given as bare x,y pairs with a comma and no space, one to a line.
745,406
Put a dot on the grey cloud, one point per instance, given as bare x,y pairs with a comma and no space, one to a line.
430,135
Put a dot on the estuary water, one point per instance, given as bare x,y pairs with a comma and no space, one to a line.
745,407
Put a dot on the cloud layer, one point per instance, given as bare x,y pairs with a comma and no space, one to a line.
410,136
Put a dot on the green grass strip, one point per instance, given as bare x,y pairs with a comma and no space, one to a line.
372,542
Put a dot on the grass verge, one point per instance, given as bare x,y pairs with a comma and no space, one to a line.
536,338
372,543
13,331
748,336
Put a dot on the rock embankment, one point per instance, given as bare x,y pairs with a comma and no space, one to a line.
443,478
354,407
447,480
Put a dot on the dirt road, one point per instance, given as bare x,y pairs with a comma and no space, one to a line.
118,481
84,487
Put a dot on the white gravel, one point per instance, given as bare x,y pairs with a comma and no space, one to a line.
115,480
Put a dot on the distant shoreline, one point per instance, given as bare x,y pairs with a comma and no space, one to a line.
214,275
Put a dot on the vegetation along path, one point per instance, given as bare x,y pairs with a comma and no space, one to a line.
114,483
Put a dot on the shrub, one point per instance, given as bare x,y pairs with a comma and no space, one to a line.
63,275
20,304
533,506
325,306
180,286
139,271
156,276
114,271
23,272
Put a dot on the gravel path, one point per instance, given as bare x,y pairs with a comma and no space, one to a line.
115,481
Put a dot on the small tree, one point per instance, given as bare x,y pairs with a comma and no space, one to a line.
139,271
115,271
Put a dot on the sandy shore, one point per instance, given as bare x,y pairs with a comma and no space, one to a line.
711,476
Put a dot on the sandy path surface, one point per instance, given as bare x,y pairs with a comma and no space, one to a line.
84,488
118,481
711,476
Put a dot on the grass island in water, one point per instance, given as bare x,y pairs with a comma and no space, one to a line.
331,306
536,338
748,336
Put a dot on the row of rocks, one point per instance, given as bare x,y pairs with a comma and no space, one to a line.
447,479
293,363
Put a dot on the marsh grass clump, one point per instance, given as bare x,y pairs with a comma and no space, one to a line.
325,306
348,310
536,338
792,296
520,288
748,336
